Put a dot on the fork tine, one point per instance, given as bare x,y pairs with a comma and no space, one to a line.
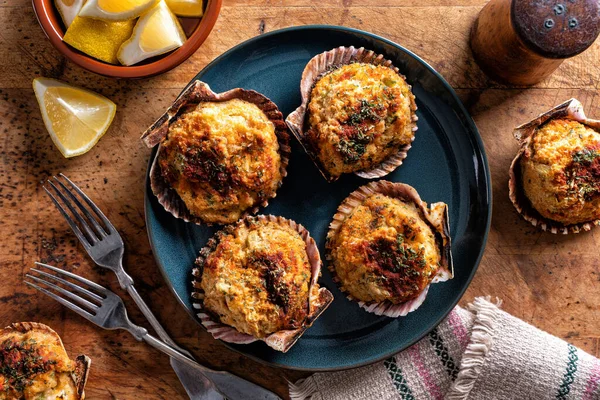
71,275
82,238
99,229
70,285
65,292
92,205
93,239
85,314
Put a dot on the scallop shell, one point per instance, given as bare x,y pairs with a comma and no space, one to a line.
282,340
82,362
437,217
316,68
196,93
570,109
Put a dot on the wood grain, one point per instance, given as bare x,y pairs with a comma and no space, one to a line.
549,281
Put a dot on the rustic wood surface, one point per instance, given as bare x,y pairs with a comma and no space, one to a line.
549,281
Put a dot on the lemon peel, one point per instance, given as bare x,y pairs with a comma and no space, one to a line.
186,8
99,39
116,10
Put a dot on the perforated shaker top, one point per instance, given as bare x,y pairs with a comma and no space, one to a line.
556,28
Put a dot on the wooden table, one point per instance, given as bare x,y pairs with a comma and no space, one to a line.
550,281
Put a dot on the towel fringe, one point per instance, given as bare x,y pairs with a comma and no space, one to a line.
477,349
303,389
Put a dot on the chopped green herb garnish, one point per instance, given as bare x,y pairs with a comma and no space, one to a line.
585,156
366,112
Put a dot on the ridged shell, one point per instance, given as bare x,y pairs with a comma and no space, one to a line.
316,68
282,340
570,109
436,215
82,362
196,93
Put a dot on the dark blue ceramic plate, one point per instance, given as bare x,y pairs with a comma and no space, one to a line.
446,163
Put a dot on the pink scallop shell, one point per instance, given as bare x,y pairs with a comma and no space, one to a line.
570,109
436,216
282,340
316,68
196,93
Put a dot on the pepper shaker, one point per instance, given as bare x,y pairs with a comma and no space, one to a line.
524,41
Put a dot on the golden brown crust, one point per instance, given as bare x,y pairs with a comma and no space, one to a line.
222,159
221,156
384,245
357,113
34,364
384,251
555,177
257,278
358,116
561,172
281,340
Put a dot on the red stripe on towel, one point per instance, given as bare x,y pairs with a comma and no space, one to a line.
593,383
459,330
432,387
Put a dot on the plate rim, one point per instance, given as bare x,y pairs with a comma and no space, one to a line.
486,172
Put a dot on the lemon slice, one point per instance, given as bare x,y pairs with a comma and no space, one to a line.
156,32
186,8
116,10
68,9
75,118
99,39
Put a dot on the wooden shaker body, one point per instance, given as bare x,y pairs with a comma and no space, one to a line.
500,52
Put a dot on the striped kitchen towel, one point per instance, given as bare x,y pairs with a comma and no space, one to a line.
478,353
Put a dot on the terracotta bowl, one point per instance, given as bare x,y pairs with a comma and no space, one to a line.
196,30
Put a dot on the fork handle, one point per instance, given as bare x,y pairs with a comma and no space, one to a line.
171,352
232,386
151,318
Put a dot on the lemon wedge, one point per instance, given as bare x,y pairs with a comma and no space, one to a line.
116,10
75,118
156,32
99,39
186,8
68,9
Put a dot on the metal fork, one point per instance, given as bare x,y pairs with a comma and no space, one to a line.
104,245
103,308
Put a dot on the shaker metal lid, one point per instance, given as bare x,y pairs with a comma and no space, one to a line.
556,28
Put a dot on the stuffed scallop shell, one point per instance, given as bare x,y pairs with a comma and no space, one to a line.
220,156
257,280
35,366
555,177
358,114
385,247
